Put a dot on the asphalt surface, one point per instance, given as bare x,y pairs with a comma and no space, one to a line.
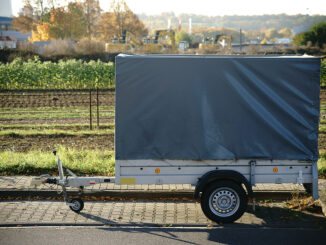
153,235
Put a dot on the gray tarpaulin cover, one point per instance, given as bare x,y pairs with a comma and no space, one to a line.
217,107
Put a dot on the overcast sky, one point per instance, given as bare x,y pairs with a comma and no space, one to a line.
217,7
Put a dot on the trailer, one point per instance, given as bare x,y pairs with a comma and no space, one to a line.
220,123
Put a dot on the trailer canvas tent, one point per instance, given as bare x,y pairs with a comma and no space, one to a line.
212,107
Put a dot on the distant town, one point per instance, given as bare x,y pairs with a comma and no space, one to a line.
40,26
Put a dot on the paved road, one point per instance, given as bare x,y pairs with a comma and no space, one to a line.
148,213
127,235
152,222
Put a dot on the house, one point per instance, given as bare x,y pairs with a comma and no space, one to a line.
7,42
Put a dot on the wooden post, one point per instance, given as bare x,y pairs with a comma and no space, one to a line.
90,109
98,113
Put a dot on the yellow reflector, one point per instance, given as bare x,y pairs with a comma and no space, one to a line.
128,181
157,170
275,170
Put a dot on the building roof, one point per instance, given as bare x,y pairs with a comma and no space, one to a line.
6,20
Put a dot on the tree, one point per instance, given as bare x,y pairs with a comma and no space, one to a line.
254,35
77,21
272,34
64,22
24,21
316,35
92,12
118,20
318,31
68,22
41,33
40,9
33,13
182,36
264,41
286,32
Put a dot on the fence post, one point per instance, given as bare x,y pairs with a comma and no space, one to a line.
90,109
98,113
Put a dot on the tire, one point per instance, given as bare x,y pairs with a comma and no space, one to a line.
308,188
78,205
224,201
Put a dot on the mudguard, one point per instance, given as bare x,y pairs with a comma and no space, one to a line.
216,175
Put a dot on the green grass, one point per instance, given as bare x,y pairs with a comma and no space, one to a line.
84,162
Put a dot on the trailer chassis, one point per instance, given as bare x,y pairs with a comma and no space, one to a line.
219,184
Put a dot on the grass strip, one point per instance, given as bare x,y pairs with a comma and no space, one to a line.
20,132
55,115
36,162
54,126
59,109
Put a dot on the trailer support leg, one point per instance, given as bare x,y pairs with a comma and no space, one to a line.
315,181
252,172
253,204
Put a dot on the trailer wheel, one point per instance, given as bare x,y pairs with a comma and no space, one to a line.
224,201
78,205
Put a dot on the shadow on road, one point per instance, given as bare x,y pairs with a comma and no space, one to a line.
275,224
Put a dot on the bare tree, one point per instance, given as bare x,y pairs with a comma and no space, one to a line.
92,12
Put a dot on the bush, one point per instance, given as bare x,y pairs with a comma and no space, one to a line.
58,47
86,46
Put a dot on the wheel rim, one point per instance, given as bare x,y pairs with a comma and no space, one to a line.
76,205
224,202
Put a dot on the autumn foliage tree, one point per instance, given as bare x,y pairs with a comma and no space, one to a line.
41,32
64,22
32,15
68,22
77,20
118,20
25,20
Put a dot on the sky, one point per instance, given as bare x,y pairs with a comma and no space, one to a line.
217,7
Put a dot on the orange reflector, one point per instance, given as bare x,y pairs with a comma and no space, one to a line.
275,170
157,170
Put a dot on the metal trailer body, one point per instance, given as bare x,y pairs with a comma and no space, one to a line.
189,172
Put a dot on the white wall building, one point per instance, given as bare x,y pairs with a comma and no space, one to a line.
5,8
7,42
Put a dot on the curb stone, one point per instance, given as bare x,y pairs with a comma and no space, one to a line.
259,195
